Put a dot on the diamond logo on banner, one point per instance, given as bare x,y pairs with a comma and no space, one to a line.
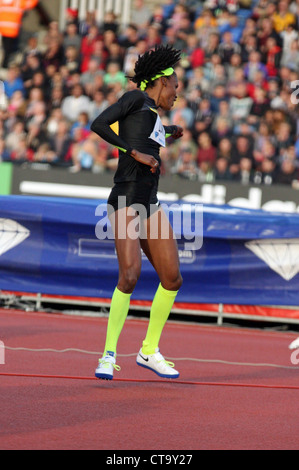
11,234
282,256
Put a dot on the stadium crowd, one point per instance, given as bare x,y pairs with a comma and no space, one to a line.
237,96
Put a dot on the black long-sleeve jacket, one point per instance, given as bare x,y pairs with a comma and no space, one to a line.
139,124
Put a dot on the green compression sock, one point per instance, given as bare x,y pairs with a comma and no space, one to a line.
161,307
119,308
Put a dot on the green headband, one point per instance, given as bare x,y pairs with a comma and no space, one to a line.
164,73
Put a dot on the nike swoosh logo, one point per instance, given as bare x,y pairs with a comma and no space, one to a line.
144,358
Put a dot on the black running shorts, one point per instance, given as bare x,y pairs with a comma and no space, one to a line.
134,193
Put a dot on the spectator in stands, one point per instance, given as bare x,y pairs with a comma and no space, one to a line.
283,136
71,15
240,103
87,23
203,118
248,46
11,13
72,60
36,136
221,130
253,65
83,123
272,57
185,29
228,47
194,54
130,36
259,105
182,111
157,20
245,174
54,54
224,149
84,153
288,35
267,172
31,65
186,141
218,77
14,81
72,37
56,98
88,46
44,155
89,78
141,15
288,173
290,56
10,117
211,46
18,103
16,134
53,33
4,153
131,55
282,18
110,23
206,154
35,96
266,151
186,165
235,76
116,54
241,150
114,75
38,116
221,170
266,31
60,142
100,54
54,117
204,26
98,104
73,105
262,136
22,153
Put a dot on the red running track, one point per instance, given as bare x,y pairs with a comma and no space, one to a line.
237,388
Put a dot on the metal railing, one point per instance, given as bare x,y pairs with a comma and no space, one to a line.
121,8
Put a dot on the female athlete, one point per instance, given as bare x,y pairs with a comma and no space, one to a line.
134,198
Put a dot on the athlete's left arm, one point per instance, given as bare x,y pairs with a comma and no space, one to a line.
175,132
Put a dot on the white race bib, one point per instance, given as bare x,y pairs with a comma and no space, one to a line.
158,134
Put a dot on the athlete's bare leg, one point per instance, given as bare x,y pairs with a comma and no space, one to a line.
160,247
128,249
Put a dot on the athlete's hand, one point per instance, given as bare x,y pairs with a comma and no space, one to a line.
177,133
146,160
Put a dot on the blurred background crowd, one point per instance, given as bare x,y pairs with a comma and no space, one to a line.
237,95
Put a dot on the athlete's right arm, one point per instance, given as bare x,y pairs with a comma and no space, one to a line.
129,102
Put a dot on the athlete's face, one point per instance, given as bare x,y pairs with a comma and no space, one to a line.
169,92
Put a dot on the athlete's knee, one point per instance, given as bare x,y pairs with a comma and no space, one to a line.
128,280
178,282
173,282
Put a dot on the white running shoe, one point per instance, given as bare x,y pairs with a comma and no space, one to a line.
157,364
106,366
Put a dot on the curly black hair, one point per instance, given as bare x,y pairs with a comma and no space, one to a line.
154,62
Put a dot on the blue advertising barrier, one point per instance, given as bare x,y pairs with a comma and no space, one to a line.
49,246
